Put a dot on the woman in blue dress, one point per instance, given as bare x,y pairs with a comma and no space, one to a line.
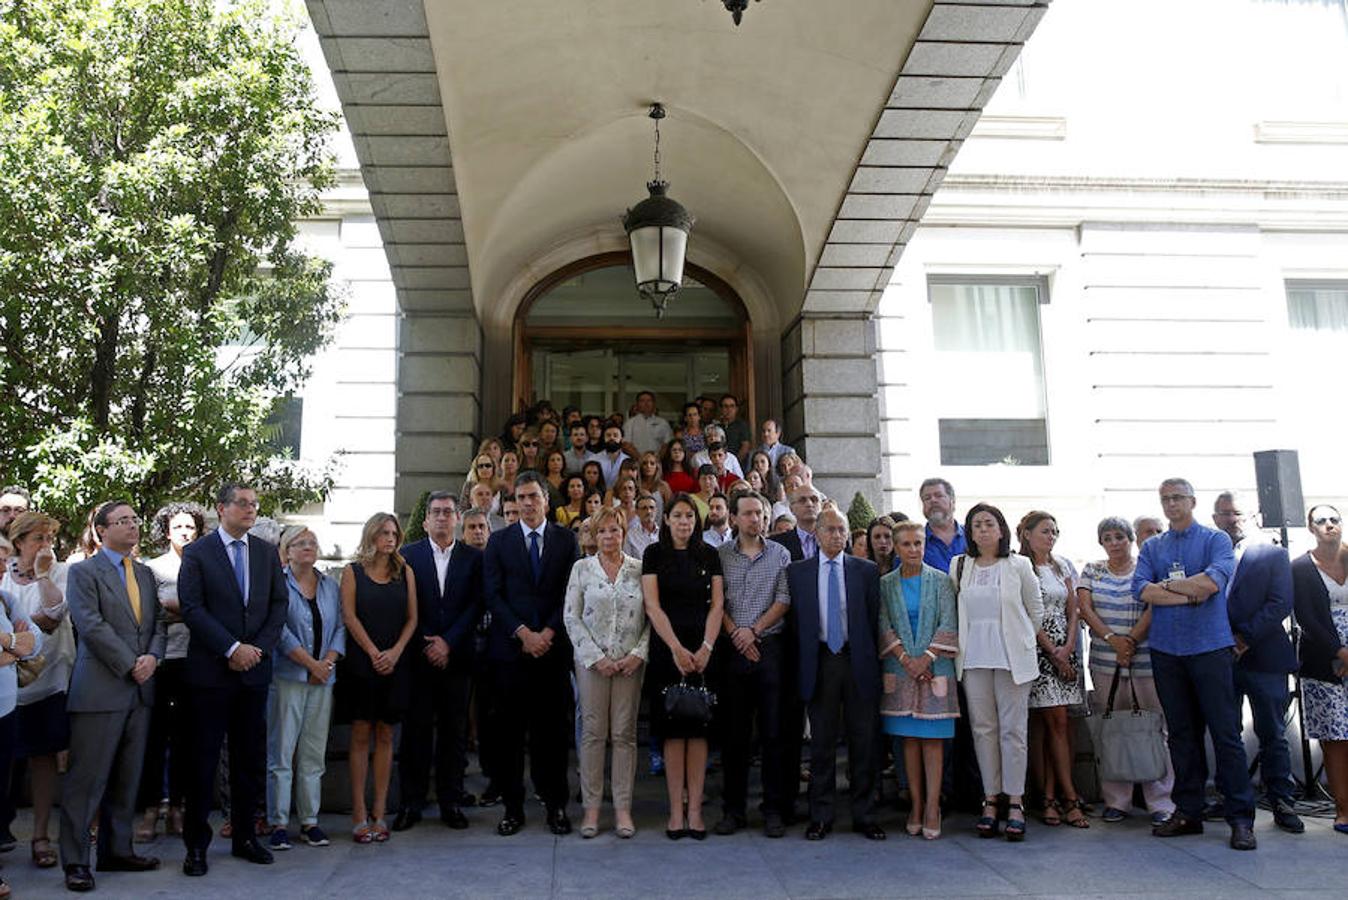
919,640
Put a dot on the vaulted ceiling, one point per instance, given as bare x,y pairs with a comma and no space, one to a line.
497,139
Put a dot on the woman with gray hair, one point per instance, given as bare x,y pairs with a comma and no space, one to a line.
1118,624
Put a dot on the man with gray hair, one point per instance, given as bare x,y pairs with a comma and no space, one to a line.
945,535
1258,603
1183,575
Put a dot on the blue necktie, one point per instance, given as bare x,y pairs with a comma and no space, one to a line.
835,622
534,556
240,573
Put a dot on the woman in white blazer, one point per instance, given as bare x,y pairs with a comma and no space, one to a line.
1000,609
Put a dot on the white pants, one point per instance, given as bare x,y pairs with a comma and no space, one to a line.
999,715
1119,794
297,729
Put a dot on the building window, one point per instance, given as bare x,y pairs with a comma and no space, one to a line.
991,383
1317,312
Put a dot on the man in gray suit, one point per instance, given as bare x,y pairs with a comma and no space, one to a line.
114,607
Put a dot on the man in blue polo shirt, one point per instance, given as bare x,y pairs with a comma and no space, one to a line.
1183,575
945,536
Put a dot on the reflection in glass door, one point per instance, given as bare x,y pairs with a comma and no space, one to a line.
607,380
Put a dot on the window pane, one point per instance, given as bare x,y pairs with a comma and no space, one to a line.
991,383
1318,309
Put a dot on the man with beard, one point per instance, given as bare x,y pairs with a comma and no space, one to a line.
945,536
611,460
718,521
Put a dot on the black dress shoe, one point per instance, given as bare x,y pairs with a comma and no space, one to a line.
463,798
817,831
1286,818
195,863
132,863
253,852
1242,837
773,826
729,824
558,823
870,831
490,797
79,878
406,818
1214,811
1178,824
509,825
454,818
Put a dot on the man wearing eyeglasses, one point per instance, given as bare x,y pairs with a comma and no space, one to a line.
233,597
1258,603
1183,575
13,500
114,605
449,603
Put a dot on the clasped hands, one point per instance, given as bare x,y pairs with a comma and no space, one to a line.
144,668
688,663
918,667
244,657
746,642
536,643
626,667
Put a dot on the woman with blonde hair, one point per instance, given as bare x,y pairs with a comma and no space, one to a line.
605,619
36,582
492,447
650,478
379,610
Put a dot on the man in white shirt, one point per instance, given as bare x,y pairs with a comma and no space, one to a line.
718,521
612,458
645,531
646,430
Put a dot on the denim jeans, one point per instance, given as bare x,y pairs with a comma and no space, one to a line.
297,729
1198,693
1269,696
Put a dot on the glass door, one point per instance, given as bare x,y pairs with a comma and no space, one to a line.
607,379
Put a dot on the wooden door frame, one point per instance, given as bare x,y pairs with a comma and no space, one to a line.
739,342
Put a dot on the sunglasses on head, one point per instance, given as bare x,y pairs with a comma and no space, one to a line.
1326,520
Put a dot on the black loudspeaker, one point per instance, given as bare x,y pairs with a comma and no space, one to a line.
1279,475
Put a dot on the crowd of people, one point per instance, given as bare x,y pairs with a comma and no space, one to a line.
589,568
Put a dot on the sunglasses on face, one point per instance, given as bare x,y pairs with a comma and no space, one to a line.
1326,520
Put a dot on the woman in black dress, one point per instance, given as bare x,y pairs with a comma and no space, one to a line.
379,607
681,584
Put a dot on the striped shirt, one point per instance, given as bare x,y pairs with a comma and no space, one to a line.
1112,598
753,584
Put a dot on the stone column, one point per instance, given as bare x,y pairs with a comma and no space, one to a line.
832,412
439,383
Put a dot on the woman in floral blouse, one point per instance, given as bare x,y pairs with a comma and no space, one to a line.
606,621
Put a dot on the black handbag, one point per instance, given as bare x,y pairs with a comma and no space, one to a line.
687,704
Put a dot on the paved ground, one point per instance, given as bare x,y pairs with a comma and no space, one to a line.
431,861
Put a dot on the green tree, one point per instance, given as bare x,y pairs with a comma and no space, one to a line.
860,513
155,156
416,520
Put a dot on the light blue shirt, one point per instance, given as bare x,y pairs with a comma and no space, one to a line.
299,627
610,467
229,554
9,678
1188,630
838,572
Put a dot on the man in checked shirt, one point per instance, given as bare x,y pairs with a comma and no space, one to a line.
754,649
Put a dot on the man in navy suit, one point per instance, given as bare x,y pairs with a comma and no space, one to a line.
1257,603
525,571
233,598
449,603
835,601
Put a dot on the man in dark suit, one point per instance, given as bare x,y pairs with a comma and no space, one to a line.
801,544
449,604
114,606
525,572
835,601
1258,601
233,598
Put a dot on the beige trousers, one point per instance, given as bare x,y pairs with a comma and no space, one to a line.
999,715
608,712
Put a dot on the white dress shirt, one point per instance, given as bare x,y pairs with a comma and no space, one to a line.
441,558
841,575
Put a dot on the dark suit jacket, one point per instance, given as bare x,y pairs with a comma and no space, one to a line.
213,610
791,541
862,578
110,637
449,610
514,599
1320,642
1258,601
